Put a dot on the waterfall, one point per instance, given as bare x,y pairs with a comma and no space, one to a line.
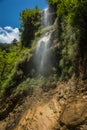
45,17
41,54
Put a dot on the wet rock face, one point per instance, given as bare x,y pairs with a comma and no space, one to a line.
74,115
50,16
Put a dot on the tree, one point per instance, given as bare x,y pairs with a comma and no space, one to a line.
14,41
30,22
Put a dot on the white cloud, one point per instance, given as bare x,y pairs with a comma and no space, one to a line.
7,34
8,28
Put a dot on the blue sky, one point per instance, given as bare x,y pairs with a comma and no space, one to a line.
10,13
10,10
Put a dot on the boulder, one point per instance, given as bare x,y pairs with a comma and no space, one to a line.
74,114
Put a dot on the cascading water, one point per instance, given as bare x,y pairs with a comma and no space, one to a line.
41,52
45,17
43,45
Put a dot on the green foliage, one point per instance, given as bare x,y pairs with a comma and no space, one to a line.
74,10
5,46
2,63
72,34
31,84
30,22
8,61
69,50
